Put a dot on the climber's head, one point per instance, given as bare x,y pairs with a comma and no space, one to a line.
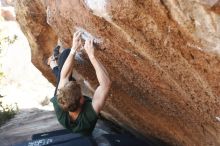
70,97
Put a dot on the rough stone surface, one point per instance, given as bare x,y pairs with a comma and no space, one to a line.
163,57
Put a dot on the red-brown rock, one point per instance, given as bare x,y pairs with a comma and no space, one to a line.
162,56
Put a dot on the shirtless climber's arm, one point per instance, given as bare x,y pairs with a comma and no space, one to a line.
102,90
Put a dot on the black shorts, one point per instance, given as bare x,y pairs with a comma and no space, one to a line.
56,70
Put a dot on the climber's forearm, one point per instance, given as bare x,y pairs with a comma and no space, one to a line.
68,65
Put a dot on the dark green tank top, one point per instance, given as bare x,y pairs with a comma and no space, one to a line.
85,122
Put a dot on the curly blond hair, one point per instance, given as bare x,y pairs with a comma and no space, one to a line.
69,96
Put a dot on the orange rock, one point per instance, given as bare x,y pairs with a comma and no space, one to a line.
163,58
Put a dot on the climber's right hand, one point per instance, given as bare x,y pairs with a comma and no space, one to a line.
89,47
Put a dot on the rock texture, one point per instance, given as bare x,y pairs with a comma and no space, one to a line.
163,57
24,125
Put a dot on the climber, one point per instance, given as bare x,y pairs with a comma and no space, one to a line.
74,111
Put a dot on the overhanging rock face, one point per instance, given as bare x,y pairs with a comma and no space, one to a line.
163,58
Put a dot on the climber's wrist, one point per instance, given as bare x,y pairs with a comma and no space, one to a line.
73,51
91,56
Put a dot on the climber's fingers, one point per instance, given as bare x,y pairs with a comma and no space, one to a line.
91,41
77,34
